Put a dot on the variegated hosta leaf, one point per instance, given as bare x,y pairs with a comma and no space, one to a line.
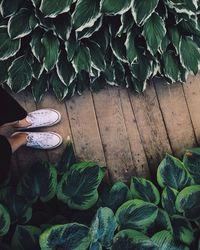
26,237
4,65
97,56
171,66
144,189
103,227
164,44
112,7
65,70
119,72
191,160
168,200
102,38
85,14
82,59
40,182
36,3
187,6
175,37
136,214
172,173
71,45
8,9
63,26
4,220
189,54
39,87
118,48
8,47
37,68
69,236
95,246
20,74
127,22
131,51
21,24
109,74
78,187
154,32
142,10
128,239
51,49
182,229
36,44
98,83
188,202
59,88
52,8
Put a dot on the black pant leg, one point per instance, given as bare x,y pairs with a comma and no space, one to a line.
5,156
10,110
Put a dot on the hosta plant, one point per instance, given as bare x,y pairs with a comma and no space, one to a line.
71,45
67,206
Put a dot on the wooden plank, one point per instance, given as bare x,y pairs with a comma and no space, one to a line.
192,94
62,128
28,156
140,164
113,133
151,127
176,116
87,141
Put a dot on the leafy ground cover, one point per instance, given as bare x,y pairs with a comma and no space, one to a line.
79,44
68,206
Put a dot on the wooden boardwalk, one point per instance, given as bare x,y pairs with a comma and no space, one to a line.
129,133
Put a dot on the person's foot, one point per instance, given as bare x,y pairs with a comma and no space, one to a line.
40,140
39,118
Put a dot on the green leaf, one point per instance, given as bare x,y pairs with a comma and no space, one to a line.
8,47
127,22
4,65
189,54
175,37
119,49
36,3
20,74
145,190
67,158
164,44
129,238
82,59
191,160
71,236
27,22
182,229
53,8
59,89
103,227
131,51
51,48
65,70
37,68
8,9
4,220
188,7
164,240
26,237
82,82
171,66
95,246
97,56
142,10
63,26
116,196
154,32
172,173
98,83
112,7
36,44
78,187
39,87
136,214
40,182
85,14
188,202
71,45
168,200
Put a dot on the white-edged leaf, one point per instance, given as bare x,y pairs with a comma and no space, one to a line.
127,22
175,37
113,7
39,87
8,47
142,10
171,66
36,44
20,74
52,8
7,8
131,52
154,32
85,14
82,59
97,56
63,26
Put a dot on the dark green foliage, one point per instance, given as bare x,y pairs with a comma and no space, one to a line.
62,207
98,40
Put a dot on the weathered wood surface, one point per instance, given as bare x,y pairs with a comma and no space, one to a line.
129,133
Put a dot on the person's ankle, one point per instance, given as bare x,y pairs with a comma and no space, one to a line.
22,124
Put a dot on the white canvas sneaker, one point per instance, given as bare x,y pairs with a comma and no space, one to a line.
42,140
42,118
